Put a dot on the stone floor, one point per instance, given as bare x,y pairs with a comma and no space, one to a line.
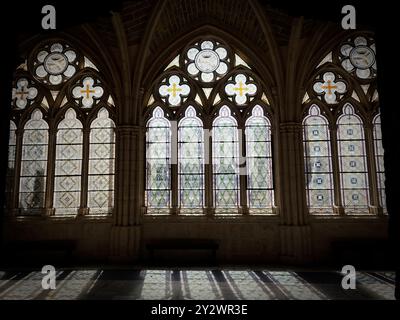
192,284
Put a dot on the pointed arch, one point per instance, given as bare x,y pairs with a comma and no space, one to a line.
101,164
33,173
352,161
260,185
158,162
225,154
68,164
318,161
191,161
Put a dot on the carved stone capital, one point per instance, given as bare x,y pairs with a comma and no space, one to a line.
290,127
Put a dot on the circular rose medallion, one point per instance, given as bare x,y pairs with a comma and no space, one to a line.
207,61
56,63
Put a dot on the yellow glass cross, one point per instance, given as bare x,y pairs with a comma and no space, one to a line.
241,89
22,93
329,87
87,91
174,90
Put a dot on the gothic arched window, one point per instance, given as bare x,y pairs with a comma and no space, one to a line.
208,93
349,138
191,161
225,153
158,160
101,163
65,150
352,161
260,188
34,164
68,164
318,163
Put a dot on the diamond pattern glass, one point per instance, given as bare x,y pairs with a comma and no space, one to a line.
158,153
101,164
190,168
225,155
68,168
259,161
33,165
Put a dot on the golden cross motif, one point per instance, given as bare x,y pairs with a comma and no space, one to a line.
22,93
174,90
241,89
87,91
329,87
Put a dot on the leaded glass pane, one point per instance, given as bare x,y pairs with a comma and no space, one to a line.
190,168
68,168
158,150
101,164
225,160
12,142
380,168
352,162
33,165
259,161
318,163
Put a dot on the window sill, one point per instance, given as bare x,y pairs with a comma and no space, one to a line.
65,218
348,217
210,218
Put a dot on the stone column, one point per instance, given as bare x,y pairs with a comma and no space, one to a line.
295,231
129,190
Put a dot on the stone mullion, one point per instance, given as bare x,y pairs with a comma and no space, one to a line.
208,172
50,173
338,203
84,210
244,209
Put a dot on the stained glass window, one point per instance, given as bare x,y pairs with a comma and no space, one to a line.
330,87
33,164
207,61
358,57
68,165
318,166
259,161
225,155
158,154
55,63
190,165
352,161
101,164
380,169
12,144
